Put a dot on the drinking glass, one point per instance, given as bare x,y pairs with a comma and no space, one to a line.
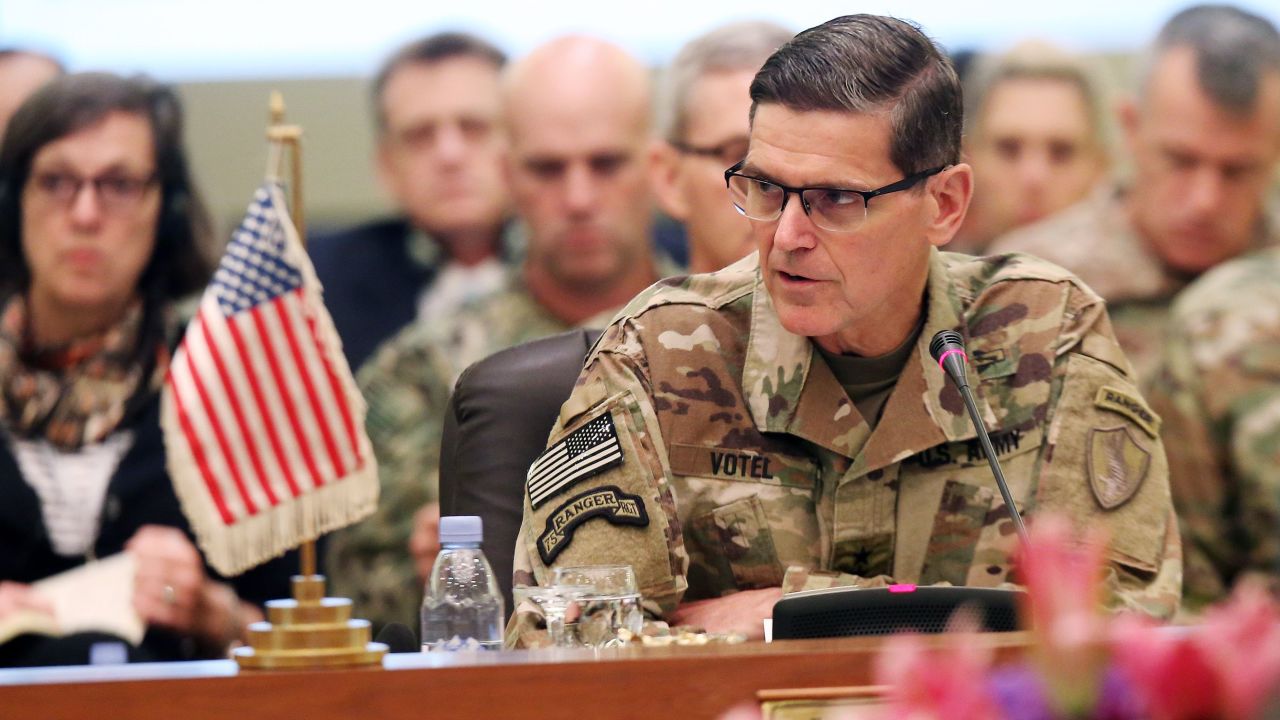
554,601
610,603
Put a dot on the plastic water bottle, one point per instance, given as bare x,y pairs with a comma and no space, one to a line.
462,608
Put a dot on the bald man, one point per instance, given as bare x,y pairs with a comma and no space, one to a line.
22,72
577,116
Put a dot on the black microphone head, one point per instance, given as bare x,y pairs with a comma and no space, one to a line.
398,638
942,342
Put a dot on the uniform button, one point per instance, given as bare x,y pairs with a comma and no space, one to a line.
111,510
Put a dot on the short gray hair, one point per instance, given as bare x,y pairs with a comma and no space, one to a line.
871,63
742,46
1233,50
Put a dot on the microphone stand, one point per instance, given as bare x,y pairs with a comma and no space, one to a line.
944,347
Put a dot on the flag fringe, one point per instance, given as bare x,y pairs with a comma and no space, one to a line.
273,531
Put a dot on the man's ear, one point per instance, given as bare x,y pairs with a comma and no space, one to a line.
950,192
384,168
665,170
1130,118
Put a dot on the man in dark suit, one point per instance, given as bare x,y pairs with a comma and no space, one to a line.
436,101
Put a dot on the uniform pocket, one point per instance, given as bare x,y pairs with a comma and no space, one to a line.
740,532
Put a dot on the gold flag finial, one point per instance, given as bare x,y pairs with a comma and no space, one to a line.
277,107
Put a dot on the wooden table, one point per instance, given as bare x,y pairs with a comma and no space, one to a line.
678,682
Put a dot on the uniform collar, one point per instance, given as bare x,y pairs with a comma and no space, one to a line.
790,389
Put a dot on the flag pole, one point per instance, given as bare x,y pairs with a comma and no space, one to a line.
290,138
308,630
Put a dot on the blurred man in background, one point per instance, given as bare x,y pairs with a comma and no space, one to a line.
1218,393
1204,144
1035,138
1218,385
578,115
703,124
439,157
22,72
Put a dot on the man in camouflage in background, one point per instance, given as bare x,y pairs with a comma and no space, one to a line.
785,412
1202,137
1218,391
577,113
702,126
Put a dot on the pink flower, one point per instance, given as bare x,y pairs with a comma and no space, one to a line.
1226,667
1240,639
1063,578
1166,669
937,683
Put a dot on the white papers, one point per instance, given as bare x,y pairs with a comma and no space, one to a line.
97,596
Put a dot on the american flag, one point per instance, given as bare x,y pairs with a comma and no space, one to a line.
264,427
591,449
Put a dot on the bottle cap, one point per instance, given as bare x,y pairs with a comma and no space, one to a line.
460,529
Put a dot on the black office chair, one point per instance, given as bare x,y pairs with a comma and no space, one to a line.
497,424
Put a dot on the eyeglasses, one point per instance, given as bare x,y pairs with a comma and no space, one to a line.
727,153
116,192
834,209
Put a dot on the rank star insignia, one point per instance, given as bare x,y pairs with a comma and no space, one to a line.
1117,466
862,557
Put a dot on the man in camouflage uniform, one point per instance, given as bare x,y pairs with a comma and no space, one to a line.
577,114
1203,141
702,127
437,107
1218,390
785,411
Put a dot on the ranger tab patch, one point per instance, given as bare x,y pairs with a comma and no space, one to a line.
1130,406
589,450
1117,466
609,502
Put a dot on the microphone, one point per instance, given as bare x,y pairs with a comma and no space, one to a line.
398,638
947,348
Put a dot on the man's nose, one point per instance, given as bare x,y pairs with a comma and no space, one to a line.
795,229
581,191
1206,191
1034,169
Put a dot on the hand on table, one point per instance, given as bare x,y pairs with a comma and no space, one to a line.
171,589
742,612
169,582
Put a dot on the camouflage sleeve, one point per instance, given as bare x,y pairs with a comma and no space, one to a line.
1218,388
600,493
1103,463
406,388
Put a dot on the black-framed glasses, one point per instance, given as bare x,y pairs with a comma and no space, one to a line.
834,209
728,152
116,191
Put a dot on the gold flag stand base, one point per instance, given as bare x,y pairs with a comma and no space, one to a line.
310,631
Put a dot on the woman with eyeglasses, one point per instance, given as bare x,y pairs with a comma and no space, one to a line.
102,236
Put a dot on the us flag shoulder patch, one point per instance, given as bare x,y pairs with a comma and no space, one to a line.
589,450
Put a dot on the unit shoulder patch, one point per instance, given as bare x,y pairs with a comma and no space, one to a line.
1117,465
608,502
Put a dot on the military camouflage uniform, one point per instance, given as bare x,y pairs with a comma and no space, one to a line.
407,385
1096,241
1219,392
742,456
